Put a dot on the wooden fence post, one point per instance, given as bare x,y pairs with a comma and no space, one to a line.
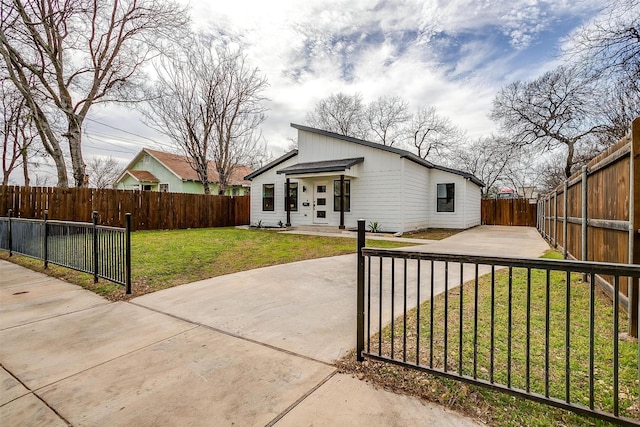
585,215
634,227
565,225
555,218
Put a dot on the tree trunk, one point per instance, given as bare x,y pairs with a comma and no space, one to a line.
74,136
223,181
207,190
569,163
25,167
50,143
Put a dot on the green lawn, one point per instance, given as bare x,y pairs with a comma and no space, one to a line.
162,259
497,408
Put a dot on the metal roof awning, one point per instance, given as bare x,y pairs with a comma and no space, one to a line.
322,167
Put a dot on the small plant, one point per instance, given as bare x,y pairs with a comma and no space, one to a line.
374,227
280,224
259,224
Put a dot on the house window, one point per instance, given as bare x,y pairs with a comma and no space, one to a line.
293,196
235,191
446,197
337,195
268,197
164,188
146,187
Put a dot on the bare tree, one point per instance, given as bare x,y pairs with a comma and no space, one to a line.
486,158
523,174
209,102
430,133
385,116
615,109
551,111
551,172
18,135
77,53
103,171
342,114
610,44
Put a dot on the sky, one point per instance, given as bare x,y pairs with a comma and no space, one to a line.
454,55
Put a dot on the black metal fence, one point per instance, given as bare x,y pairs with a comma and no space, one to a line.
102,251
534,328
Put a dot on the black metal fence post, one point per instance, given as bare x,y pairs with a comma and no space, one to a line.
10,213
128,254
360,314
45,243
95,246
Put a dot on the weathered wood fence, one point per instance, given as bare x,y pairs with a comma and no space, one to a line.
149,210
509,212
595,215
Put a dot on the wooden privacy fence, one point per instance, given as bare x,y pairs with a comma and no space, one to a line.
150,210
509,212
595,215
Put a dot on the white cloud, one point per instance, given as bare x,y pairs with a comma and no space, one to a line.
452,54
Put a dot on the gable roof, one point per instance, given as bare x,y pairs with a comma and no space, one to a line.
181,168
272,164
402,153
143,176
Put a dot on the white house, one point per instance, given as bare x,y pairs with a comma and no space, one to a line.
334,180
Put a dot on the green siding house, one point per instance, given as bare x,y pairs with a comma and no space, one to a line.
152,170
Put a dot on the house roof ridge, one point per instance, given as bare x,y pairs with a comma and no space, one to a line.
402,153
272,164
180,167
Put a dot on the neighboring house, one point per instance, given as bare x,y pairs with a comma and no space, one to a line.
153,170
334,180
528,193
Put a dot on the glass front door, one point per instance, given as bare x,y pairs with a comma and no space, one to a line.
320,202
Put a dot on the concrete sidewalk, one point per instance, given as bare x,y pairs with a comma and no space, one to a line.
69,357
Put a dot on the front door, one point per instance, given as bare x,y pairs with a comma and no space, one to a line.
320,202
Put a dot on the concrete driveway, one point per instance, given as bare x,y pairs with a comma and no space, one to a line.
252,348
309,307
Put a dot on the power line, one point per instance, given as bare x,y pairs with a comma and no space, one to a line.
130,133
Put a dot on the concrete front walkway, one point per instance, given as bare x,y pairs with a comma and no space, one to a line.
252,348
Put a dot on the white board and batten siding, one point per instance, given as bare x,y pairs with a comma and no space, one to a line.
473,201
466,202
415,196
270,218
396,192
374,189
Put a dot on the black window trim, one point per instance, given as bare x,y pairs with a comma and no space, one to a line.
292,186
265,199
453,197
347,196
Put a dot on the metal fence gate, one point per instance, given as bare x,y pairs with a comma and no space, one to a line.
529,327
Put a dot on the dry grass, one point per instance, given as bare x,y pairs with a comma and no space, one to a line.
432,234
